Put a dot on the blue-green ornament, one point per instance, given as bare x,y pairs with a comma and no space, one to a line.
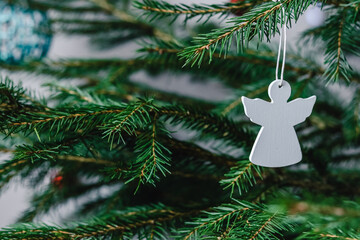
24,34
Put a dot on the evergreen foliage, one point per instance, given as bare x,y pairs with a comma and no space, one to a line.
149,163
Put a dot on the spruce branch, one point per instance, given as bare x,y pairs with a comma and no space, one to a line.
153,157
159,9
332,236
117,224
30,157
234,104
297,64
340,41
76,115
206,123
136,89
17,118
55,121
134,116
107,6
215,221
352,118
335,235
128,26
6,150
242,177
337,62
77,93
226,234
260,21
247,220
262,228
84,160
54,196
180,148
196,176
16,97
117,31
166,8
334,182
124,16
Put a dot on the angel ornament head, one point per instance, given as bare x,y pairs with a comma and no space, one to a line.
277,144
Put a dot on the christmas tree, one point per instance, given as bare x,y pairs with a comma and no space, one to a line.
176,165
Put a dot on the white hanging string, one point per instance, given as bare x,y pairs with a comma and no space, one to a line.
282,35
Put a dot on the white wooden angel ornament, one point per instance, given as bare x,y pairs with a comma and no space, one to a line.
277,144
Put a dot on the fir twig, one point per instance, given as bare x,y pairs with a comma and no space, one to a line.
107,6
153,156
115,224
261,21
240,214
206,123
158,9
241,177
339,40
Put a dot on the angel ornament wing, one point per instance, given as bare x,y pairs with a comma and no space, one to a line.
277,144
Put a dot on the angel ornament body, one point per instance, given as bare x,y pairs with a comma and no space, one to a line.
277,144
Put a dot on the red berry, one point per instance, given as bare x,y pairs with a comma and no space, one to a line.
58,181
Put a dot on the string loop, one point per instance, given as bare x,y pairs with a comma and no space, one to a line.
282,35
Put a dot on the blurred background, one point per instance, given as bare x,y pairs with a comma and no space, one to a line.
14,199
